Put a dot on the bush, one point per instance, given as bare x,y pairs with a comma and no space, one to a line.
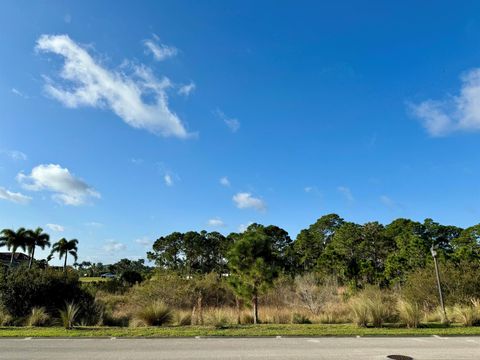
155,314
300,319
460,283
312,295
69,315
5,317
409,313
38,317
21,290
131,277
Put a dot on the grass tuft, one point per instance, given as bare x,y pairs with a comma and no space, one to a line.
155,313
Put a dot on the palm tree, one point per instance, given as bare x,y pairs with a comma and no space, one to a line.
64,247
36,238
13,240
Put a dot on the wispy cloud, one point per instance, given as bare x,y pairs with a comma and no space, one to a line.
346,192
112,246
56,227
168,179
232,123
89,83
14,154
389,202
67,189
244,200
160,51
224,181
187,89
15,197
144,241
94,224
19,93
454,113
215,222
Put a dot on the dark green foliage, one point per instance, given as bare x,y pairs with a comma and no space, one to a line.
311,242
190,253
131,277
23,289
300,319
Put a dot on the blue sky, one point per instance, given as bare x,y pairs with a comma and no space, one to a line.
121,122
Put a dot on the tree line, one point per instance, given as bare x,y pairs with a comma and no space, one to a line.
28,240
355,255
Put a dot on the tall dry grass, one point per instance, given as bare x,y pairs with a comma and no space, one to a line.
410,313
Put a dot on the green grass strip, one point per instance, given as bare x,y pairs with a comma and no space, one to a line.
307,330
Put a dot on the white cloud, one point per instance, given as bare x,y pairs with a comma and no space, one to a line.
160,51
144,241
56,227
15,154
216,222
67,189
114,246
455,113
345,191
89,83
232,123
168,180
245,200
224,181
15,197
187,89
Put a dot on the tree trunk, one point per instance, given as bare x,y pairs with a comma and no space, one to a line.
255,308
200,309
237,305
32,254
11,258
193,322
65,263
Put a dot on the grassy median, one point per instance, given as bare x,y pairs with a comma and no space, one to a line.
236,331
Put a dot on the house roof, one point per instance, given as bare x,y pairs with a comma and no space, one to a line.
18,257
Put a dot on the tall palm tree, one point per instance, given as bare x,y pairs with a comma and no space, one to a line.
36,238
13,240
64,247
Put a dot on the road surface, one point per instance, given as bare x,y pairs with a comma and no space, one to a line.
362,348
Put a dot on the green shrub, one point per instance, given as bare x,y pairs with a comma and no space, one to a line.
155,313
460,283
22,290
69,315
131,277
38,317
409,312
300,319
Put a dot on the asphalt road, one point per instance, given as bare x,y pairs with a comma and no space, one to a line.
453,348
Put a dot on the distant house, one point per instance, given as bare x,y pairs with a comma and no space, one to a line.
18,258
